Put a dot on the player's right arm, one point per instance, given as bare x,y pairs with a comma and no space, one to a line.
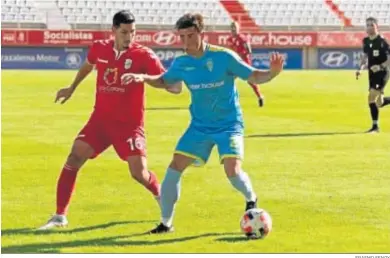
363,61
83,72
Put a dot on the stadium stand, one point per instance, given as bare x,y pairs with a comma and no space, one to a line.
265,14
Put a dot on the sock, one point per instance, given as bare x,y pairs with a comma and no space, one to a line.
255,89
170,193
153,185
374,113
65,188
243,184
386,101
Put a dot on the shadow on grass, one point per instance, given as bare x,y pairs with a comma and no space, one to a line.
279,135
33,231
235,239
115,241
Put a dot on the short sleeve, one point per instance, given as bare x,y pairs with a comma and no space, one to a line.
238,67
153,65
92,53
174,73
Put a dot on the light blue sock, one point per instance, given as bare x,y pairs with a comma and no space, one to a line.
170,193
243,184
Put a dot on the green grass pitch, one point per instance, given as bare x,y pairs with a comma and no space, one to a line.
324,182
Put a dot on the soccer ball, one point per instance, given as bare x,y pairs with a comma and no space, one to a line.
256,221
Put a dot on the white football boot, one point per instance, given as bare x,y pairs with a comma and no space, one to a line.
55,221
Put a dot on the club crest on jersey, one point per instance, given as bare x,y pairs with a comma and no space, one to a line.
128,63
110,76
209,64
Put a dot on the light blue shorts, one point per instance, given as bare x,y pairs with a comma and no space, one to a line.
198,145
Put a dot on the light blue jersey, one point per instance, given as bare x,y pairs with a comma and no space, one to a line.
210,79
215,108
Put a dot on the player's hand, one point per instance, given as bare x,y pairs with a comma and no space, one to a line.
131,77
175,88
375,68
358,73
276,63
64,94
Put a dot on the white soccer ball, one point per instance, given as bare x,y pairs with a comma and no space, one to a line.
256,221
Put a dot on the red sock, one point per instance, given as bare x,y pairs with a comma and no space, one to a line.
65,187
154,185
255,89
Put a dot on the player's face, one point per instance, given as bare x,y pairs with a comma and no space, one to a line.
190,38
371,28
124,34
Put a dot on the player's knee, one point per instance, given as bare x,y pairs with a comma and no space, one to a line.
373,95
76,160
175,164
138,168
180,162
232,166
139,175
80,153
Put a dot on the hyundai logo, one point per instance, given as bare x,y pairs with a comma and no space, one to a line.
73,60
164,38
334,59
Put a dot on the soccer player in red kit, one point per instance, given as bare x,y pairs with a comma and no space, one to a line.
240,44
118,115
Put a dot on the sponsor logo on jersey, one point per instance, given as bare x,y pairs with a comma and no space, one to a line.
128,63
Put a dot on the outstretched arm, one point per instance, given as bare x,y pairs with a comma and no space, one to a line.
276,66
248,73
170,80
66,93
83,72
155,81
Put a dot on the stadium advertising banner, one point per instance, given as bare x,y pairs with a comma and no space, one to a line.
77,38
343,39
42,58
293,58
149,38
166,56
339,58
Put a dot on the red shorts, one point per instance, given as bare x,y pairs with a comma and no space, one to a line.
127,139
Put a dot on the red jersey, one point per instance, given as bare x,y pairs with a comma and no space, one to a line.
114,101
237,43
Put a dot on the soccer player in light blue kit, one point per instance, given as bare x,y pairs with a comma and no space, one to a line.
209,73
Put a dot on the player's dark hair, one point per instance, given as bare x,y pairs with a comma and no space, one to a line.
123,16
372,19
190,20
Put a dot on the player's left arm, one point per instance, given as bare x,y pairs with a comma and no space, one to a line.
386,46
248,73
